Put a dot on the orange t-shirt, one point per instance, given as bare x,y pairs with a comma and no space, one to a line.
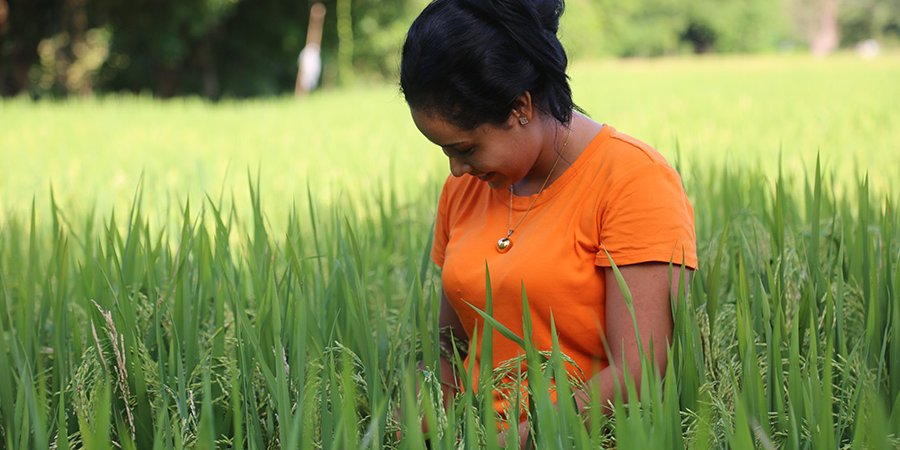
619,194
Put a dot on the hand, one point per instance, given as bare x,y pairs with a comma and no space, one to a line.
524,435
398,410
398,415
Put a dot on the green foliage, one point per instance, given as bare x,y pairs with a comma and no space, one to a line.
255,48
20,35
870,19
222,332
581,30
646,28
156,44
665,27
739,26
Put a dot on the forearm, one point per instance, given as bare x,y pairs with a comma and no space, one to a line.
454,343
449,385
446,376
652,286
610,380
452,348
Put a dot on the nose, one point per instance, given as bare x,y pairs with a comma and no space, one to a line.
459,168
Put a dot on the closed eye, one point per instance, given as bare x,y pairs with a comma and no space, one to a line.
458,153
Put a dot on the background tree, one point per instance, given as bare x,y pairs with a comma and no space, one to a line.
735,26
642,28
665,27
869,19
816,22
165,45
25,24
243,48
258,45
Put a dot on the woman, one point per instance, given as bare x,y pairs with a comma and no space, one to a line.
539,194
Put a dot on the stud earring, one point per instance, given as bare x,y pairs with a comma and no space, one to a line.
523,120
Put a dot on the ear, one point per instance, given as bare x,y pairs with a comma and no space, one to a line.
523,109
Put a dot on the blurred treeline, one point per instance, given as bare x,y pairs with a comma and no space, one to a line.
242,48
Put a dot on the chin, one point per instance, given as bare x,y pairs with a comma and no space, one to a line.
498,184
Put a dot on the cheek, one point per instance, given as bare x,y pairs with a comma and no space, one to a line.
518,160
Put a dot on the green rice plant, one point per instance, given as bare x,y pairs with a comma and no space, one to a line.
223,335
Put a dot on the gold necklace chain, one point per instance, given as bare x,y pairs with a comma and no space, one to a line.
504,243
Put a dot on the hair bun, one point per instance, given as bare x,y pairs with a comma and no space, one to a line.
549,12
521,13
469,60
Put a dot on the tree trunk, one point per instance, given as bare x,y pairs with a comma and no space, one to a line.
345,41
166,81
4,17
826,37
206,61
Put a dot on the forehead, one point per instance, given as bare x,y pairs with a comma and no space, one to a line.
444,133
434,125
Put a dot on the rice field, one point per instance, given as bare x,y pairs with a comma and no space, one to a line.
255,274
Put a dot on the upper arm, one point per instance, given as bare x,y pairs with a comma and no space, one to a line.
646,217
650,285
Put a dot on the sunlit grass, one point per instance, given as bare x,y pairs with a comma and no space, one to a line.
733,112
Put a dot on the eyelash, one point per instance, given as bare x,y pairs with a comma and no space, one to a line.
459,153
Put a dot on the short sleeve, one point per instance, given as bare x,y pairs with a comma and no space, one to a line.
441,228
647,218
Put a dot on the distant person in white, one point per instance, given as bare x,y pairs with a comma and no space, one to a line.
310,60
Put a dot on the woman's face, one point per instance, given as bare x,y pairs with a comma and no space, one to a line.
499,155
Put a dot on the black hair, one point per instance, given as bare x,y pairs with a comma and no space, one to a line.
469,60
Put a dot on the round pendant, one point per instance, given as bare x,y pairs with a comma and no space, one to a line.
503,245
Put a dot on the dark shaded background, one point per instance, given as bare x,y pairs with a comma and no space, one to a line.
243,48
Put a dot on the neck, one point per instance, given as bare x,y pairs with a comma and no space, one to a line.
551,162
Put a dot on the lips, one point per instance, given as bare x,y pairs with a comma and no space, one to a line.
485,176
